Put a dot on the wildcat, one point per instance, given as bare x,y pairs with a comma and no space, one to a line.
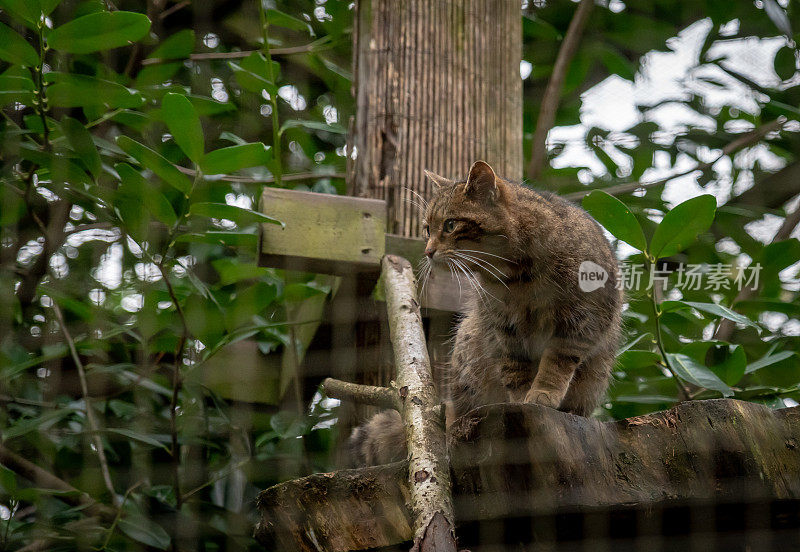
529,332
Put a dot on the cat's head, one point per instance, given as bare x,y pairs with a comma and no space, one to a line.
468,221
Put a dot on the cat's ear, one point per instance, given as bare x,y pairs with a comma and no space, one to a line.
481,182
437,180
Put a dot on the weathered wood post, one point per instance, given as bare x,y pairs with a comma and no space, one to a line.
437,85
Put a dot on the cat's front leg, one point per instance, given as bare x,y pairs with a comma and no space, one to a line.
552,379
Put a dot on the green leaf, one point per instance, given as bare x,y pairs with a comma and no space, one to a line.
616,218
711,308
768,360
725,360
288,425
28,10
238,215
144,530
313,125
152,199
232,271
16,89
785,63
15,49
634,359
280,19
137,437
38,423
681,225
249,302
695,373
229,239
234,158
178,46
184,124
253,73
99,31
72,90
155,162
81,142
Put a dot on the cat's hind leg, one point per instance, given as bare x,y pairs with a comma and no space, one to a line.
379,441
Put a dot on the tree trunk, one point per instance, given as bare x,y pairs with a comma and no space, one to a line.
437,87
718,472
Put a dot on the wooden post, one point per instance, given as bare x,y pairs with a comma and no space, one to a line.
438,87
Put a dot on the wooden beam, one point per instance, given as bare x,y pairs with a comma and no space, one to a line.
528,462
322,233
342,235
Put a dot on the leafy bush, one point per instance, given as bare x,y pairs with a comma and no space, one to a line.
133,151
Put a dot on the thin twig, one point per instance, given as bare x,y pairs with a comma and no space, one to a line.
313,46
383,397
172,9
269,179
749,139
27,402
93,424
46,480
176,387
552,94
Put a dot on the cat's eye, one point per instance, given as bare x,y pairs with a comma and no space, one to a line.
449,225
426,231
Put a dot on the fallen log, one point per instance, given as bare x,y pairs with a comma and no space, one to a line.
527,465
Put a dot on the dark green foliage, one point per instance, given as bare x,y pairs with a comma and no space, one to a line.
130,178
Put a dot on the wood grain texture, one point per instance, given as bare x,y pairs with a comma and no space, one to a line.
510,461
437,87
322,229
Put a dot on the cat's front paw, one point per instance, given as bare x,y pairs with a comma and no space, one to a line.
544,398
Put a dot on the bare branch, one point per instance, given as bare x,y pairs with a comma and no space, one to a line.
305,48
552,94
268,180
176,388
384,397
422,412
95,427
46,480
746,140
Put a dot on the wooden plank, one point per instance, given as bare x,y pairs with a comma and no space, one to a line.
323,233
342,235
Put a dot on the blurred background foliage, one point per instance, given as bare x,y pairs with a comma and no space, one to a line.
136,138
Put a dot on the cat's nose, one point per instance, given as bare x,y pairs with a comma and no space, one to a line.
430,251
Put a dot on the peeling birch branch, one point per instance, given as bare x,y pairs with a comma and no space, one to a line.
383,397
422,413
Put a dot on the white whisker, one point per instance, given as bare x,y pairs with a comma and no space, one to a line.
487,253
422,199
473,280
486,265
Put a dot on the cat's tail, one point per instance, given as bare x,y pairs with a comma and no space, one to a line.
379,441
